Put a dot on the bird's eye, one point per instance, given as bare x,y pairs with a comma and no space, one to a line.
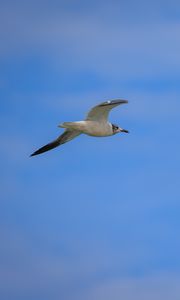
115,127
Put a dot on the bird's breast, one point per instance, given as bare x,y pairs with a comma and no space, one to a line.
93,128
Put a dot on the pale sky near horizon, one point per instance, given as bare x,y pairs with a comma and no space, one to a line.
94,218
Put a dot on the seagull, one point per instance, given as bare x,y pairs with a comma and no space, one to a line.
96,124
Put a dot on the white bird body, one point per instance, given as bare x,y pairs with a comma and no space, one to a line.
95,124
92,128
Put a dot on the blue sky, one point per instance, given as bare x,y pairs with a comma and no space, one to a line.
95,218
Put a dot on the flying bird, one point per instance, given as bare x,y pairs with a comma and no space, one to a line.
96,124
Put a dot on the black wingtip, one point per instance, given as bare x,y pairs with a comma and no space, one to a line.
39,151
45,148
33,154
115,101
120,101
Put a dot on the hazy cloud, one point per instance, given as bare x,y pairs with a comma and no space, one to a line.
106,45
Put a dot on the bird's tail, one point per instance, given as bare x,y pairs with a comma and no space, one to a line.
69,125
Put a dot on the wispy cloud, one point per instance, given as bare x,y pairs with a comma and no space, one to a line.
37,272
88,41
158,286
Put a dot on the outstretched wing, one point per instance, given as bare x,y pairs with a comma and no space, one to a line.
62,139
100,112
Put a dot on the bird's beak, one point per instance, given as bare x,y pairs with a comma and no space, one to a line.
124,130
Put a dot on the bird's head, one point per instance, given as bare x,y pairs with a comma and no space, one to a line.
117,129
